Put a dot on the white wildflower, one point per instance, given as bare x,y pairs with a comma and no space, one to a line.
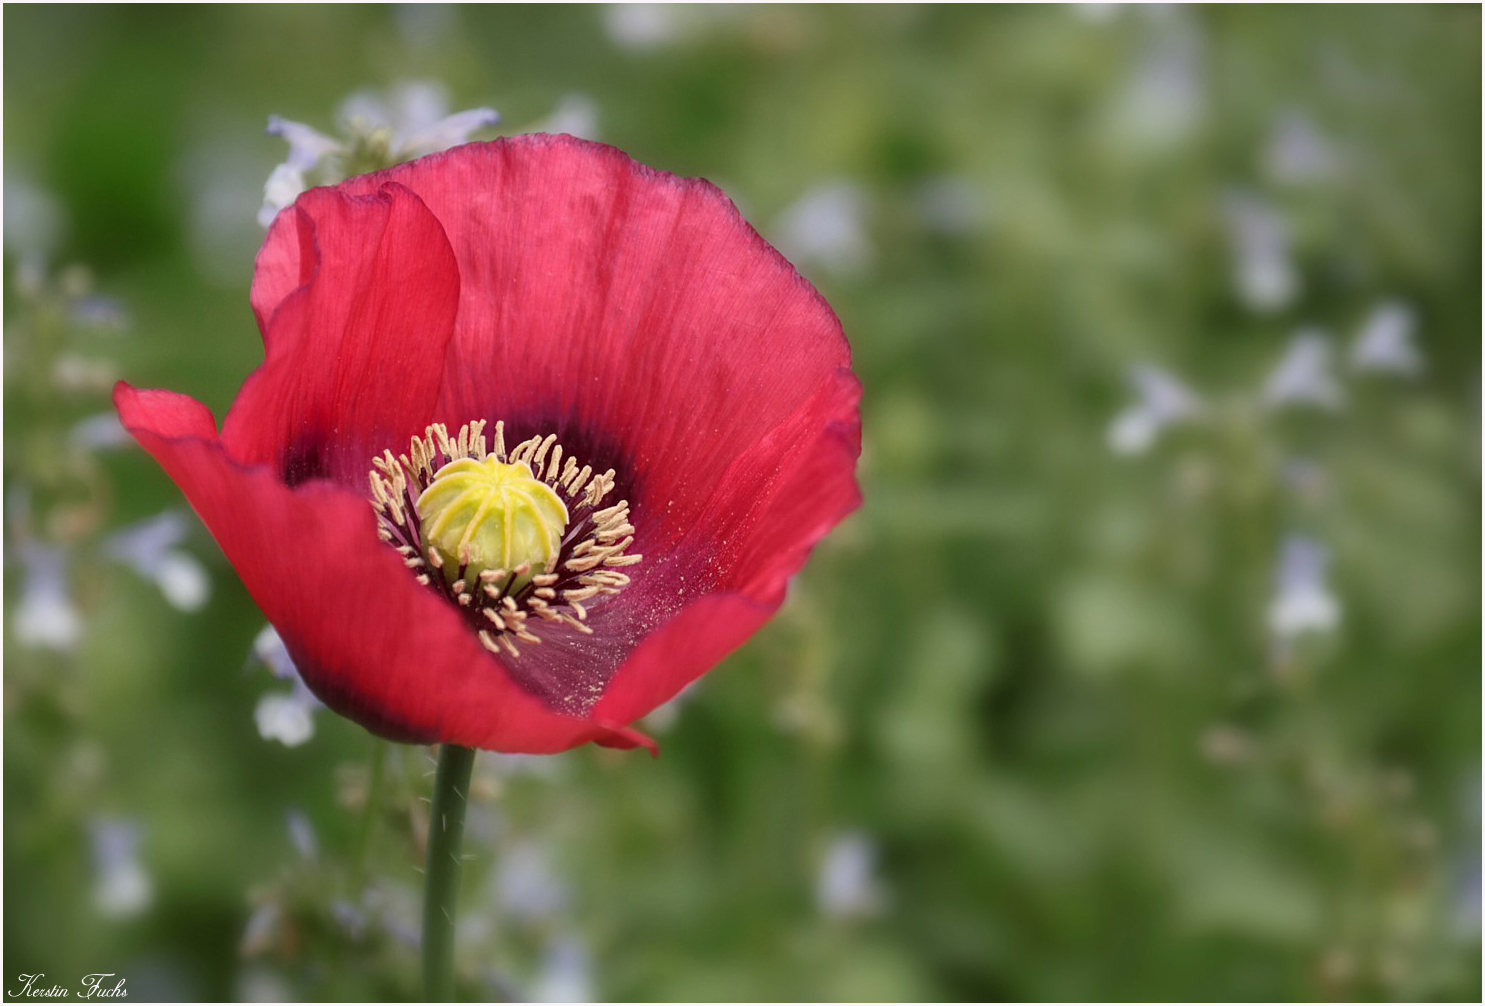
1302,602
34,220
121,885
826,226
269,648
46,618
308,147
566,973
1385,342
150,549
847,886
284,717
1303,376
409,120
100,432
1297,153
1163,402
1265,277
302,834
416,113
1164,99
284,185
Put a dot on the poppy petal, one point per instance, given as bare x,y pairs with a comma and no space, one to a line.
285,263
790,490
368,640
816,488
356,296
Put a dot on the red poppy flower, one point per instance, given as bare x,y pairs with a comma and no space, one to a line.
587,303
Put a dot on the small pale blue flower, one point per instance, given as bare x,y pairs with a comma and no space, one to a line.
1385,343
1265,277
410,120
827,226
566,973
150,549
286,717
121,887
302,834
1297,153
1163,401
1303,376
847,886
308,147
102,432
46,618
1302,602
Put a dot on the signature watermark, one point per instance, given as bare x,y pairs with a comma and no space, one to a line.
95,986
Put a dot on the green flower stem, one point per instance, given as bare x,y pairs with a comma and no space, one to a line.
441,890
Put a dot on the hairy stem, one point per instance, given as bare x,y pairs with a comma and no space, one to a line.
441,890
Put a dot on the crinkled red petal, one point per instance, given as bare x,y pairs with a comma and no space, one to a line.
356,296
369,641
773,527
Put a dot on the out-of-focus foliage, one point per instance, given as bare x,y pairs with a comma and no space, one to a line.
1149,670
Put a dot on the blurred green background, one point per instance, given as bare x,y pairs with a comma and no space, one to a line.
1150,668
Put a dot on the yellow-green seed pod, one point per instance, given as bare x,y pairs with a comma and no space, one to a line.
485,515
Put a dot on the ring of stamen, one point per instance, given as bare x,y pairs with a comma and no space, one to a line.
505,607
